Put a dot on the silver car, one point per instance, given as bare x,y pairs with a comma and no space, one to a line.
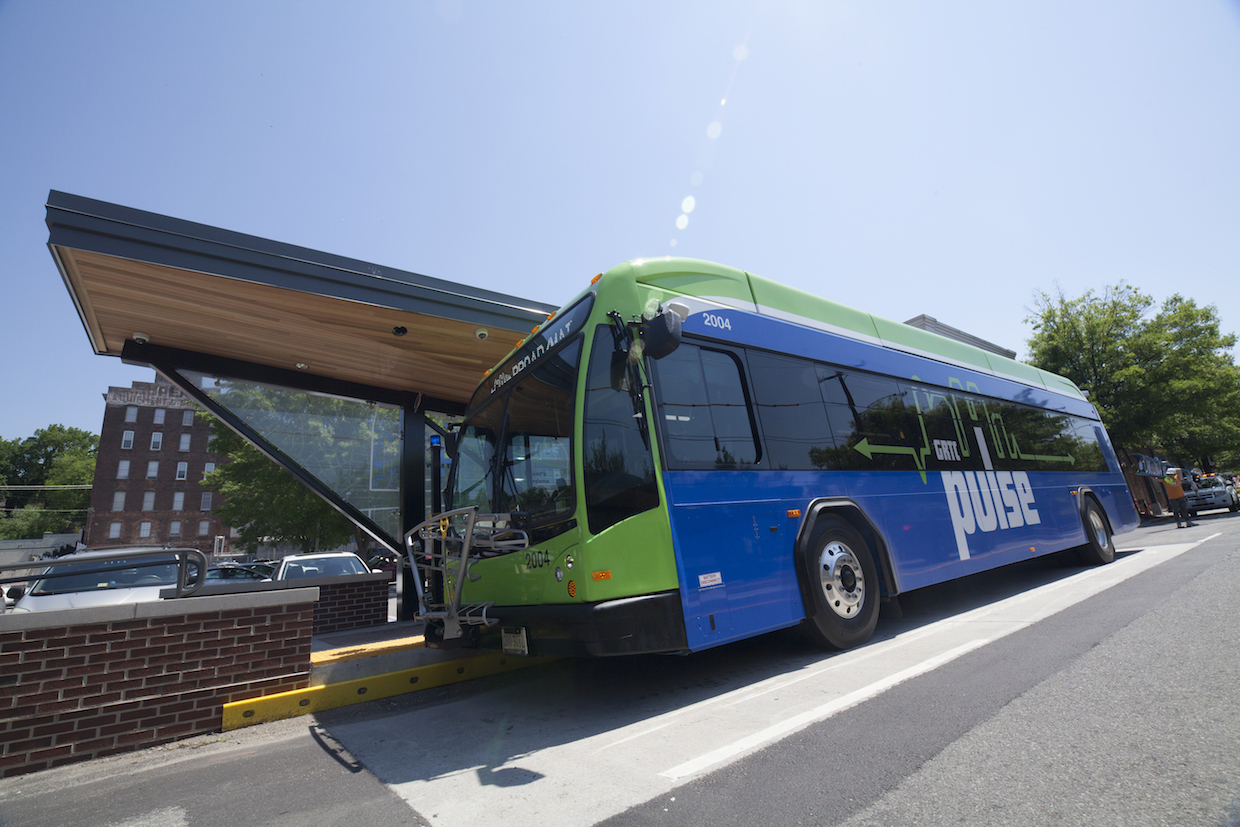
1211,492
100,578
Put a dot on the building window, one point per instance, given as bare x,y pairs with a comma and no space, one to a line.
122,470
206,501
178,501
144,528
114,531
148,501
159,416
184,442
187,419
131,414
127,440
204,528
118,501
182,470
174,528
152,469
208,468
157,440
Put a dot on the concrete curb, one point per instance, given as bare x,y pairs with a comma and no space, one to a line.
343,693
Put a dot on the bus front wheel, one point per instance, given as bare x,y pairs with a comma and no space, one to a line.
843,583
1099,548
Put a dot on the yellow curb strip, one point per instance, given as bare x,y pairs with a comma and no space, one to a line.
365,650
296,702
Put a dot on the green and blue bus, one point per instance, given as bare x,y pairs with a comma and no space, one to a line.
687,455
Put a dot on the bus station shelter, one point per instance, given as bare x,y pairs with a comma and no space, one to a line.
335,368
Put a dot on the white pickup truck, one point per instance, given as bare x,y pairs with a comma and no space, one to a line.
1212,492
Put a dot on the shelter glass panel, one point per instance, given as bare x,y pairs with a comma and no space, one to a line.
352,446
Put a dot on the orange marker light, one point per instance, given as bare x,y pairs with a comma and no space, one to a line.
572,589
596,278
602,575
794,512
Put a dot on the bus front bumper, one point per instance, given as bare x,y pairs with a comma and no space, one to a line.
628,626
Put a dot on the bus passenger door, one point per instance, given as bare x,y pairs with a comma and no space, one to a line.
734,557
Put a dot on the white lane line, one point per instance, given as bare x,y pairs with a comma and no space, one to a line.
789,725
1096,580
843,660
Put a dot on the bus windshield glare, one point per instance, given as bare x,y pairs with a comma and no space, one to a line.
514,453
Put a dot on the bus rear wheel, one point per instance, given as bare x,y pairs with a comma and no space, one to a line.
842,580
1099,548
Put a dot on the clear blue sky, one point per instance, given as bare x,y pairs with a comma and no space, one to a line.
947,158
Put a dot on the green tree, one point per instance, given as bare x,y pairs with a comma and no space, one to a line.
53,456
1167,380
267,504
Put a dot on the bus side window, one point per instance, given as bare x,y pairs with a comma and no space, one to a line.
703,410
862,406
791,411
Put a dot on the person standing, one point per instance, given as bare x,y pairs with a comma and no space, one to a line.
1176,499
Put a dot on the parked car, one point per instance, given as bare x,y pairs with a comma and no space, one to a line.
236,573
99,578
328,564
1212,492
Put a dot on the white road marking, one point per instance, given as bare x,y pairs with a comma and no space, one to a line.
521,751
798,722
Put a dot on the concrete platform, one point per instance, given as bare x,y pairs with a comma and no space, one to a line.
376,650
368,664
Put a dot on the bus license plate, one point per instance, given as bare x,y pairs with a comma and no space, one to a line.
514,642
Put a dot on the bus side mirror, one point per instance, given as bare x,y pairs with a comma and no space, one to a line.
660,335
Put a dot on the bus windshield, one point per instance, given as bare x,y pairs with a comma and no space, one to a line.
515,452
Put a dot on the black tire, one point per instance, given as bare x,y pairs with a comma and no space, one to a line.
842,581
1099,548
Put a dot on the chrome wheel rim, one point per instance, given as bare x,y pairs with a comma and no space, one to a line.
1099,527
842,580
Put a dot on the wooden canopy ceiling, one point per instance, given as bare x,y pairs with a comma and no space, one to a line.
215,293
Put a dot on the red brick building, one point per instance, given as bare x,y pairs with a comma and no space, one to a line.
153,453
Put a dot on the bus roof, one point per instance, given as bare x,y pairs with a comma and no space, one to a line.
730,287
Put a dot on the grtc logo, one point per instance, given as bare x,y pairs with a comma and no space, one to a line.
987,501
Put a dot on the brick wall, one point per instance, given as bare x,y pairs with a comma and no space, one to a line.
85,683
350,603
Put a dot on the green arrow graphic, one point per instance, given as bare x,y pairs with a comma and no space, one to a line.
868,451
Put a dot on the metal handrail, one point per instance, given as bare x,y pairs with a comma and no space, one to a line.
184,587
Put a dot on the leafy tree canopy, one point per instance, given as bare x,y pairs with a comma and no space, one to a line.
55,455
1166,380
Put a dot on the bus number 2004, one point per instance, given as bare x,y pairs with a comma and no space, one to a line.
537,559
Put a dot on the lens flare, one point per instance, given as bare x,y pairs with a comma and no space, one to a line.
682,222
688,204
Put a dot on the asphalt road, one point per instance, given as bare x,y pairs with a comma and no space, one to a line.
1044,693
